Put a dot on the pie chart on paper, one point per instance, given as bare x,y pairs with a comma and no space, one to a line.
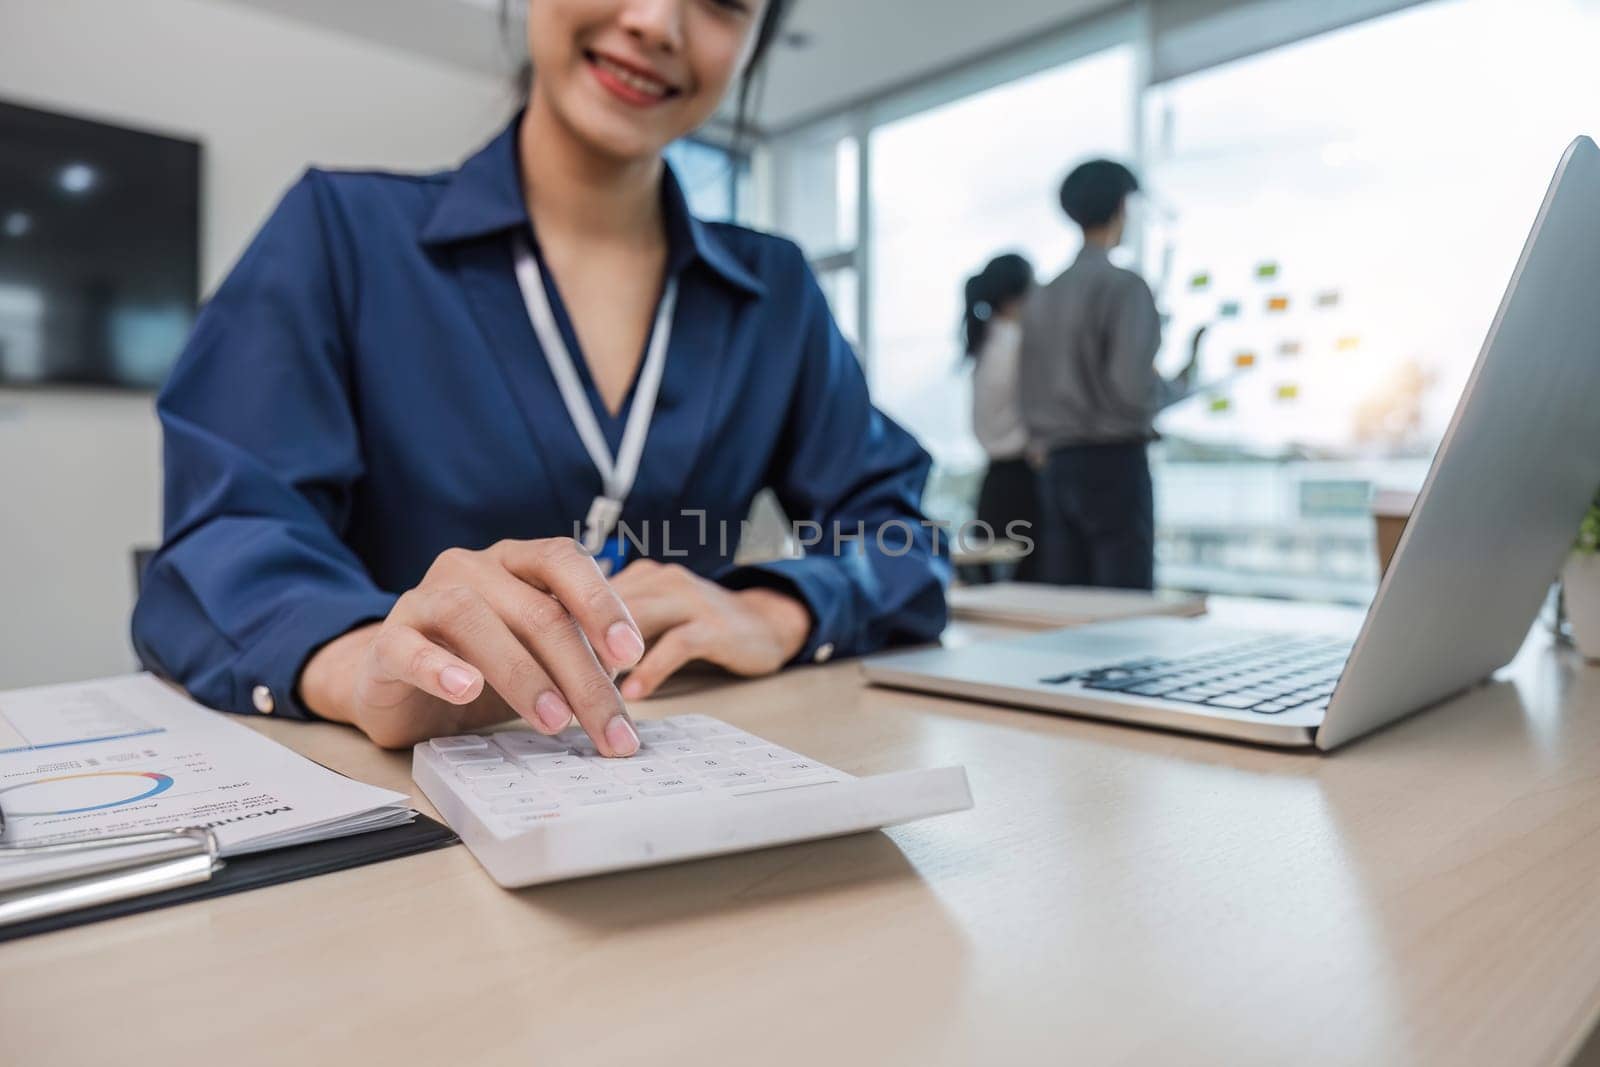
73,794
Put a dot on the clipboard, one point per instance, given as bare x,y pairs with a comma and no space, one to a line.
234,875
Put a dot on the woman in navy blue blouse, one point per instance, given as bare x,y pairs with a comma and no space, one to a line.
373,482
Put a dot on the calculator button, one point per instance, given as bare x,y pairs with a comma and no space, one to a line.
647,770
462,756
574,738
568,762
704,764
519,743
666,786
737,743
687,747
762,757
650,730
574,779
741,776
457,744
694,720
499,787
474,772
798,769
600,794
526,802
706,733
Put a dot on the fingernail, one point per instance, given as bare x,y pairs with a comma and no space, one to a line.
632,689
620,736
552,711
456,680
625,643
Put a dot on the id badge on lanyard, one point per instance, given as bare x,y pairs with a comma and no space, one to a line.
610,553
617,474
613,555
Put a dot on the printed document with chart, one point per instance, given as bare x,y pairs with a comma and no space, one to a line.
130,755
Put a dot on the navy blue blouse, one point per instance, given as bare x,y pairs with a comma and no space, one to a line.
365,391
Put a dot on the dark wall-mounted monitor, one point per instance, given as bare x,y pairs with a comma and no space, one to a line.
99,250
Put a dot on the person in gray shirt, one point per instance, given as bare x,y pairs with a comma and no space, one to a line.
1090,392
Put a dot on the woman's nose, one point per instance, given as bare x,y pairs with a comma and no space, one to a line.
656,24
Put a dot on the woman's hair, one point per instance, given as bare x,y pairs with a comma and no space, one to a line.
1006,278
766,36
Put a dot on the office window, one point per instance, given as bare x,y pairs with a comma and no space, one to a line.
1340,217
815,182
711,176
841,284
815,175
950,188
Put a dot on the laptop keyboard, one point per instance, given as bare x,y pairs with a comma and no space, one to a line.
1265,676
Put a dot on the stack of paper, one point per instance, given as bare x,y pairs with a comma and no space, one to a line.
130,755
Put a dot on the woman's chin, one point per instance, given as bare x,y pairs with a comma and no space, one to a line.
622,138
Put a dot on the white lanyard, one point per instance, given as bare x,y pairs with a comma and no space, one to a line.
616,475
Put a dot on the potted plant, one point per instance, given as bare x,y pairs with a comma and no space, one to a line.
1580,585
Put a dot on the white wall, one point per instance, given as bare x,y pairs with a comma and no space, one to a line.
80,471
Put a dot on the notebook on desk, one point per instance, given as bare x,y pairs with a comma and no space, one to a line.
1032,604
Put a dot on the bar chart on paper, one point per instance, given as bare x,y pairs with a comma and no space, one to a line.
86,716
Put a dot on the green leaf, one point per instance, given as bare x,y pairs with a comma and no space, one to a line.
1589,530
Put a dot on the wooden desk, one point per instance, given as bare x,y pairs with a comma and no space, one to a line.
1428,895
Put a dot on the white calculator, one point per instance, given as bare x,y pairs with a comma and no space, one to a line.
540,809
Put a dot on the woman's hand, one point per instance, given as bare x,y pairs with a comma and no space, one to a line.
685,617
525,628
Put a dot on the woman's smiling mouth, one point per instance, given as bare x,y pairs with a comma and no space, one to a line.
630,83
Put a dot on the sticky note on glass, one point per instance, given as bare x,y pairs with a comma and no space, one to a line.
1288,392
1328,299
1266,270
1200,280
1229,310
1219,405
1278,303
1289,348
1348,344
1244,359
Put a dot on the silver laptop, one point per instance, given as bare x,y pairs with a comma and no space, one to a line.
1497,514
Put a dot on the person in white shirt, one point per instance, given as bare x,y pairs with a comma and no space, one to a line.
993,337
